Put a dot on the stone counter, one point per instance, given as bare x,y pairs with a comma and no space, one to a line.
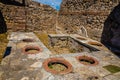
21,66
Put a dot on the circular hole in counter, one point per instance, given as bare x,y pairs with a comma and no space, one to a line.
28,40
57,66
86,60
32,49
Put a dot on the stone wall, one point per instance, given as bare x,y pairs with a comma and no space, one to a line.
29,17
83,17
14,17
68,44
40,18
78,15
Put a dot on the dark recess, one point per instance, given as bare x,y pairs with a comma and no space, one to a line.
3,26
7,52
111,31
13,2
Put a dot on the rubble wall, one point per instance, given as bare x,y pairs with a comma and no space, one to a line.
83,17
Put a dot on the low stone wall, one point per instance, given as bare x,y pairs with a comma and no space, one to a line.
66,44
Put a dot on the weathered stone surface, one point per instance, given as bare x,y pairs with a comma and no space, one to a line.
83,17
21,66
89,14
33,17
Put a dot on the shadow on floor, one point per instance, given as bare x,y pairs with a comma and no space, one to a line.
3,26
111,31
7,52
13,2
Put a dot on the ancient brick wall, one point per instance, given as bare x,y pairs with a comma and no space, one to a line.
14,17
40,18
75,16
32,17
90,14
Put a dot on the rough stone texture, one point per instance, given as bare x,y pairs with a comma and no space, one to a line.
41,18
78,15
83,17
21,66
32,17
65,44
